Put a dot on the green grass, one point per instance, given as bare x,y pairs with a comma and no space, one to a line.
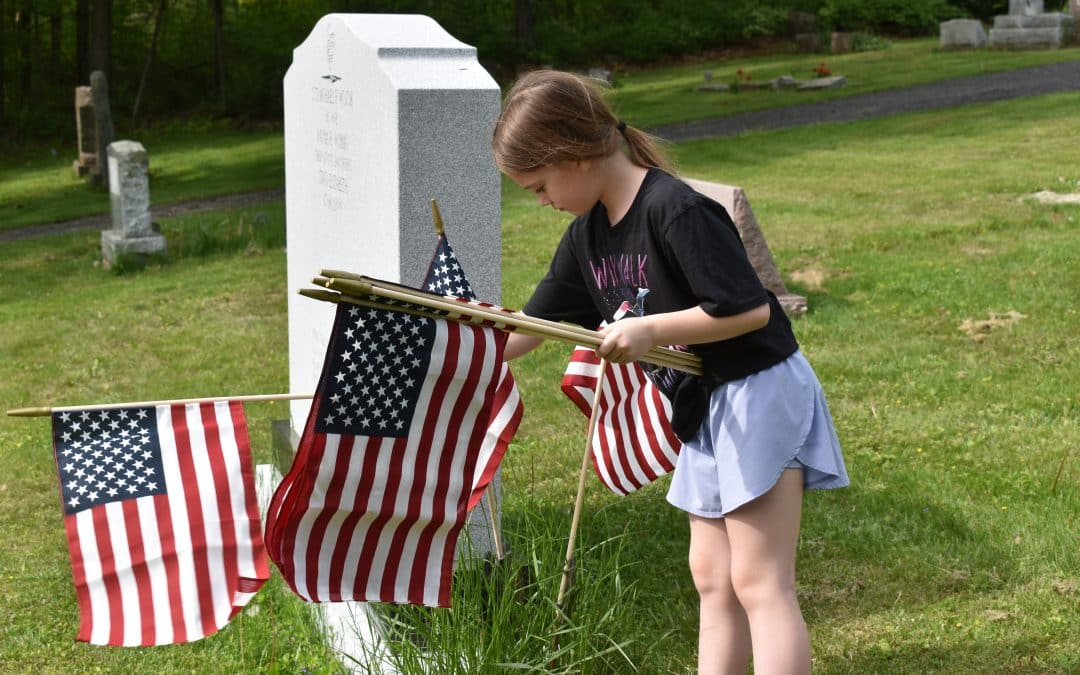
196,160
657,96
37,184
950,552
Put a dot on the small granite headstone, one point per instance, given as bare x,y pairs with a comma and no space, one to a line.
86,132
132,233
808,42
842,43
830,82
602,74
734,200
962,34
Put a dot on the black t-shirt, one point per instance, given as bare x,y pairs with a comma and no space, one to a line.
674,249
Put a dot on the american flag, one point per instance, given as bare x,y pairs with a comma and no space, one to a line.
409,422
633,443
445,276
162,520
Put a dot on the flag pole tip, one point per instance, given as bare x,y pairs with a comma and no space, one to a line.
437,217
29,412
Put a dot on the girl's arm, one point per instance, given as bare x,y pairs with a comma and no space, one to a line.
518,345
628,340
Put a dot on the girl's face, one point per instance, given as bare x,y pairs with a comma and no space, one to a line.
565,186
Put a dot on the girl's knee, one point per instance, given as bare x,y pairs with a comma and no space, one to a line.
711,575
757,585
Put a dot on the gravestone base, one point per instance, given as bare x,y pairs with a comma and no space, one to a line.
138,251
1031,31
353,630
82,168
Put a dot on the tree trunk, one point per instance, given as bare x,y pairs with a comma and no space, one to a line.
218,10
149,59
82,33
101,38
24,39
54,42
3,48
524,28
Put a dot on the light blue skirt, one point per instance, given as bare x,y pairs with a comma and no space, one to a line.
755,428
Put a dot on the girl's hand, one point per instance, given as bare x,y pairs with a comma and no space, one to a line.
626,340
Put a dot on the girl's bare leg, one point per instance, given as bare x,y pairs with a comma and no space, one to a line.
723,633
762,539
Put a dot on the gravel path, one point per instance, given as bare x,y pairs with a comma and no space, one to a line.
1034,81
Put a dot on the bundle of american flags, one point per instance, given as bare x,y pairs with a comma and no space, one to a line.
410,420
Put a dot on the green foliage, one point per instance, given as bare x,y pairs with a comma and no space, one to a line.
888,17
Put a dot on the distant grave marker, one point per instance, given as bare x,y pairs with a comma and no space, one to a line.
86,132
132,233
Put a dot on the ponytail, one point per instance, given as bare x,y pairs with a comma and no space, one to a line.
551,116
645,149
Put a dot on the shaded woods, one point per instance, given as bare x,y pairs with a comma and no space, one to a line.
227,57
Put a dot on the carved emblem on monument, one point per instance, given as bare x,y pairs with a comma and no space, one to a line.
330,59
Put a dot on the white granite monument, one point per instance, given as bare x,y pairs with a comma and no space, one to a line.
384,113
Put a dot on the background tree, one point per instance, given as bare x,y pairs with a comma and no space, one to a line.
218,10
82,41
101,37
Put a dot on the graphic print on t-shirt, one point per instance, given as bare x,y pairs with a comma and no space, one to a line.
623,284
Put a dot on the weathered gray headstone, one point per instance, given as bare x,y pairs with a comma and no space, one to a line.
103,124
602,74
842,42
1031,31
86,133
734,200
828,82
132,233
962,34
383,113
1026,7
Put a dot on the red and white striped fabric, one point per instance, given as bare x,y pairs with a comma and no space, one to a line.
633,444
162,520
410,420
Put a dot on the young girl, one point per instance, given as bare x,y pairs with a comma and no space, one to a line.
755,426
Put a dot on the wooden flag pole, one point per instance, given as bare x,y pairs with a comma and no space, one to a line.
338,279
437,217
579,501
44,411
440,230
520,323
490,494
352,287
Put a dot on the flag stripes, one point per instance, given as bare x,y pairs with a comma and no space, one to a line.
166,567
633,443
376,517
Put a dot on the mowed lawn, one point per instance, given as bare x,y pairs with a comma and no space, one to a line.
942,324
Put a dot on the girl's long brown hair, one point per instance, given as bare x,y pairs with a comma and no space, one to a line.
551,116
